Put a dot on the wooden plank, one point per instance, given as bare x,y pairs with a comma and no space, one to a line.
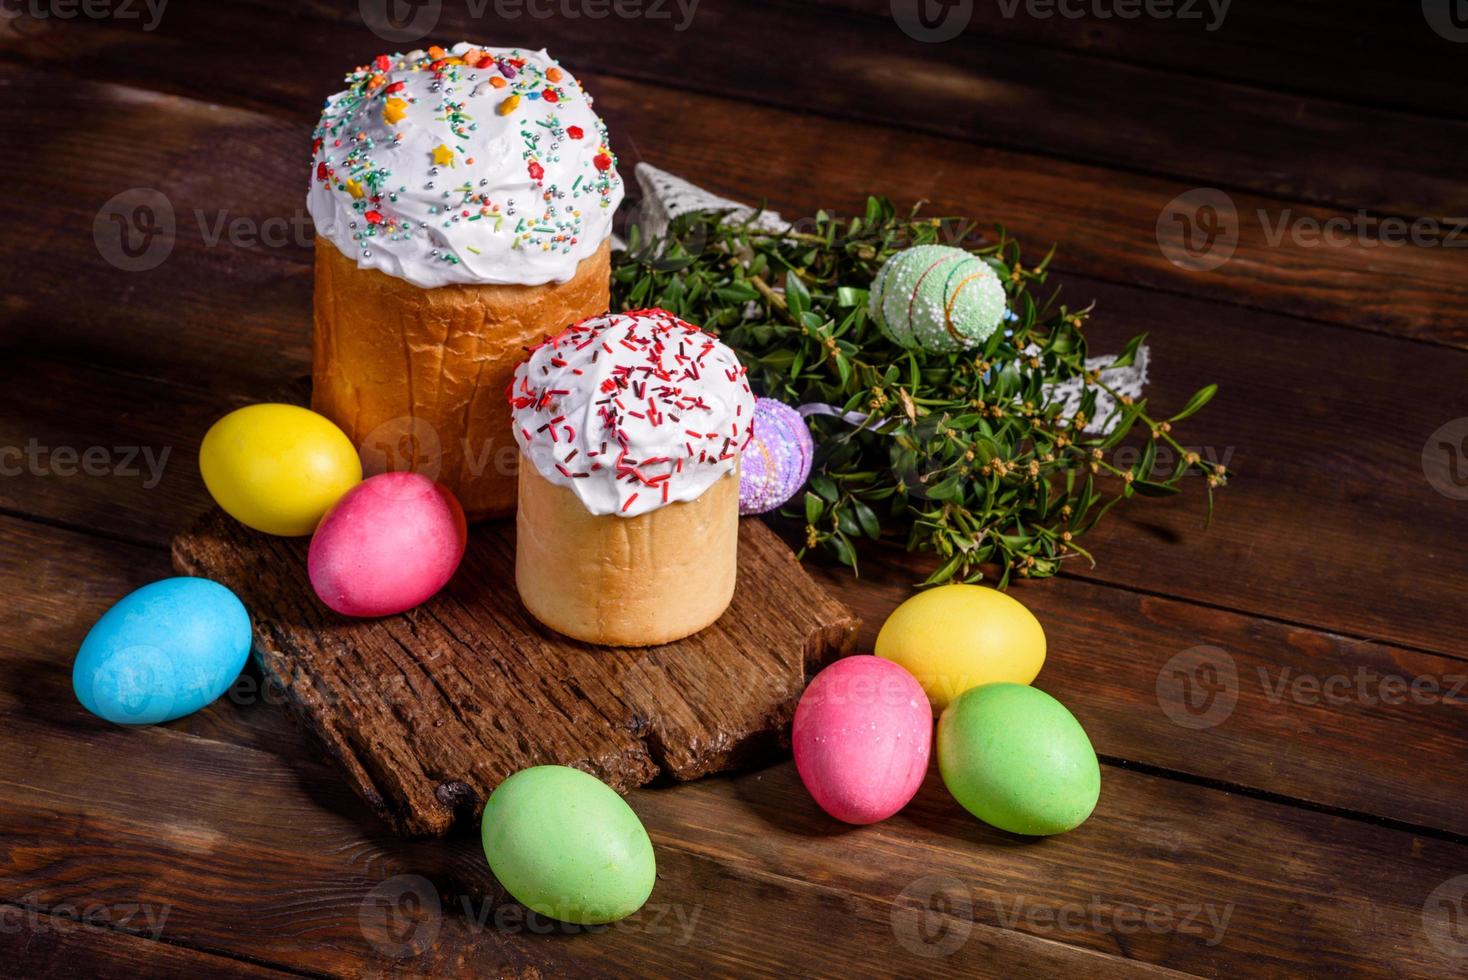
283,862
1118,659
277,859
981,89
59,582
39,944
424,712
1368,53
1327,435
1217,695
1309,418
244,165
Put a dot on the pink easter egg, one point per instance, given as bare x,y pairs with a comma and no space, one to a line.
862,733
387,545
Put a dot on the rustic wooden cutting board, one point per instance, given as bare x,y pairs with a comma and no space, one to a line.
426,712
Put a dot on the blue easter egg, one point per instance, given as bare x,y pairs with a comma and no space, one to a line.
162,652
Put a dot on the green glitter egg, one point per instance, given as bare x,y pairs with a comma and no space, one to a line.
938,298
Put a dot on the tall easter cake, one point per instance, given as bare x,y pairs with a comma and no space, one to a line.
463,204
632,425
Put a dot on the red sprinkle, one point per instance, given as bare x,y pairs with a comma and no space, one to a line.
382,62
575,132
373,217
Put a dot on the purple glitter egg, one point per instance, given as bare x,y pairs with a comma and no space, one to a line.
777,459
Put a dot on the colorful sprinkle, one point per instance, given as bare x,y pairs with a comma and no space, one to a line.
664,403
428,101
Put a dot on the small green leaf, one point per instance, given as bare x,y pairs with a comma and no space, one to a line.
797,298
813,508
822,485
1129,352
1200,398
1149,489
868,518
844,551
945,571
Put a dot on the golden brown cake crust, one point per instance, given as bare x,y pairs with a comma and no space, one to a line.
419,375
625,581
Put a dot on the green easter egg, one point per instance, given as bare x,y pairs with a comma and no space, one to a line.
1016,758
936,297
564,844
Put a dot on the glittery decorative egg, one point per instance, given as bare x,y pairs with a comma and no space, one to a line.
938,298
777,459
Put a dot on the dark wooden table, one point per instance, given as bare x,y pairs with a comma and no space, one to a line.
1309,819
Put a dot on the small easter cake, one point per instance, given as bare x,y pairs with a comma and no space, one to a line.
463,202
630,427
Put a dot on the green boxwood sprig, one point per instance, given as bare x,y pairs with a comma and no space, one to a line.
958,452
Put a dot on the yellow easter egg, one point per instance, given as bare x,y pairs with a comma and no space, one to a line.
277,468
955,637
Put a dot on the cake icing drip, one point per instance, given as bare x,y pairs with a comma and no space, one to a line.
471,165
631,411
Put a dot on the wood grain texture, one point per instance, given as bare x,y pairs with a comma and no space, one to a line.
1278,263
1303,406
980,88
1325,434
36,944
984,89
281,859
283,863
1113,660
1369,53
427,712
1332,552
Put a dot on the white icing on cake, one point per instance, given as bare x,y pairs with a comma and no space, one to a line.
472,165
631,411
